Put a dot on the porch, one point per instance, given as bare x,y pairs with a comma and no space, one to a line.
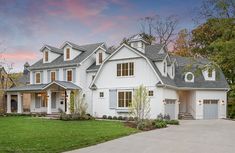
44,98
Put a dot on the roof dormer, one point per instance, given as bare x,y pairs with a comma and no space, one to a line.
50,53
209,74
100,54
138,42
71,50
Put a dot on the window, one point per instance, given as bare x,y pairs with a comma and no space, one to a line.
101,94
210,72
93,77
125,69
67,53
69,75
189,77
100,58
38,77
46,56
53,76
150,93
164,68
124,99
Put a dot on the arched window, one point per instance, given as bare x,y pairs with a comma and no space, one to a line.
189,77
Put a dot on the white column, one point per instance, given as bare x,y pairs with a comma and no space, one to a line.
68,101
8,102
48,101
19,103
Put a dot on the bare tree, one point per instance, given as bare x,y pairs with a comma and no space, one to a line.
140,106
163,29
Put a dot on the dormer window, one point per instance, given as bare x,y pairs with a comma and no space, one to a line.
100,57
67,53
46,56
164,68
189,77
210,72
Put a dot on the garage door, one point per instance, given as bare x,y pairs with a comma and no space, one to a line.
170,107
210,109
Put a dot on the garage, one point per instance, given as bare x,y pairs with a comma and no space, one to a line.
170,107
210,109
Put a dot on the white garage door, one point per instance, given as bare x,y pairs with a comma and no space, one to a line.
170,107
210,109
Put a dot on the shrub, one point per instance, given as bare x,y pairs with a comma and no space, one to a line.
75,117
146,125
110,117
125,118
160,116
104,117
114,117
131,119
172,122
166,117
65,117
160,124
120,117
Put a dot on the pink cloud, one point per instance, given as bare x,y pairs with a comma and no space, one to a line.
18,56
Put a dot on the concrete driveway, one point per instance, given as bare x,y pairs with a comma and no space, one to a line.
198,136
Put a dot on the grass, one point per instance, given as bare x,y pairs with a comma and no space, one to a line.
30,134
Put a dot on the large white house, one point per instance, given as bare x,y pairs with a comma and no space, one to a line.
108,79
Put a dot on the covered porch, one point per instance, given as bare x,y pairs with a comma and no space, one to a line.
45,98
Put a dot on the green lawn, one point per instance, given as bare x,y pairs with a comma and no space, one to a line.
28,134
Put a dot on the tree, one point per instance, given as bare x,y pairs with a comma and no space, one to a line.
163,29
217,9
182,46
140,106
80,106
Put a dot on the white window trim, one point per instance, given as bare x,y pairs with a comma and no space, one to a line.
186,79
128,76
67,75
66,54
55,75
35,77
45,56
126,90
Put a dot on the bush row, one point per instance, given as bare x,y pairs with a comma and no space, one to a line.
74,117
158,123
118,118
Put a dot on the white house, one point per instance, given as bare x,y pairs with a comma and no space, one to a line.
108,80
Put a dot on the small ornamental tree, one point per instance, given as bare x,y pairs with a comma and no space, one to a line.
140,107
80,106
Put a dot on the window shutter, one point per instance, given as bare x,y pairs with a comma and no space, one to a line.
112,98
37,101
33,78
41,73
64,73
48,76
57,75
74,75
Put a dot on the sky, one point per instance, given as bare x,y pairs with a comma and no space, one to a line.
26,25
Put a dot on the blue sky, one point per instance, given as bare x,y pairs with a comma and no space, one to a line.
26,25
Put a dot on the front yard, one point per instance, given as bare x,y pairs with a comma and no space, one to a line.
30,134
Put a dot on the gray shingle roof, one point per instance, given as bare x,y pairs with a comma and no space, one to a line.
59,62
41,87
152,52
75,46
55,50
93,68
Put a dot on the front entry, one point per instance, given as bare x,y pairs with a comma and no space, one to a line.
170,107
210,109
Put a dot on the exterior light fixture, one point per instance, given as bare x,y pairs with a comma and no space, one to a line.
199,102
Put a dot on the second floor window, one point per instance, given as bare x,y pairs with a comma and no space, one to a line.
38,77
100,58
125,69
46,56
67,53
69,75
53,76
210,72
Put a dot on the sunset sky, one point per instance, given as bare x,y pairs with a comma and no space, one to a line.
26,25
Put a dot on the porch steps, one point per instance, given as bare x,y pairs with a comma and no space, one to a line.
53,116
185,116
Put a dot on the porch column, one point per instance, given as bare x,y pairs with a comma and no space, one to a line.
8,102
48,101
19,103
68,101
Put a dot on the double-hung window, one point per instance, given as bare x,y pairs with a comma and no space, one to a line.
38,77
69,75
125,69
53,76
124,99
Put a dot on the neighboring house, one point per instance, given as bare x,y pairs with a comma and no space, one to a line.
5,83
107,81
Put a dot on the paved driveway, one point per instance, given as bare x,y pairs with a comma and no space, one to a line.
199,136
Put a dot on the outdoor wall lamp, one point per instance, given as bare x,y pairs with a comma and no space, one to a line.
222,102
200,102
